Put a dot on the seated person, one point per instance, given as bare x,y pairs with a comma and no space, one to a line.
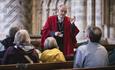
51,52
92,54
22,51
8,41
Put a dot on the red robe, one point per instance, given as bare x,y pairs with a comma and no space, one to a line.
69,38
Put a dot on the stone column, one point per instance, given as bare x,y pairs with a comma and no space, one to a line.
45,11
78,9
111,39
99,14
52,7
36,17
90,12
106,19
112,21
11,14
112,32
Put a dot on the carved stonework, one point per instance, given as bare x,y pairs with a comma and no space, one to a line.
112,20
32,15
36,17
26,14
45,10
15,13
52,7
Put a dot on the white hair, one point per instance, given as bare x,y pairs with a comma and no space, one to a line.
22,36
50,42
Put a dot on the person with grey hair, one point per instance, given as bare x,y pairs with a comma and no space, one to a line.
60,27
51,52
92,54
8,41
50,43
22,51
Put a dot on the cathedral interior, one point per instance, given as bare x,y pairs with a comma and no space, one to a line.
32,14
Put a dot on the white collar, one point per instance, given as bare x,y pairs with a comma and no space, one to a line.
60,18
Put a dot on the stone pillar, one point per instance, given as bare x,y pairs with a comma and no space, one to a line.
78,9
25,15
91,12
11,14
112,32
52,7
36,17
112,21
111,39
98,12
45,11
99,16
106,19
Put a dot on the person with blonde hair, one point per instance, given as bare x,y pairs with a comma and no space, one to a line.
22,51
51,52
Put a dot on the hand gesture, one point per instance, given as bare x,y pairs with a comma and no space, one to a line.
59,34
72,20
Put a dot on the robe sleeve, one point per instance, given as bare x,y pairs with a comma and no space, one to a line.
75,31
46,31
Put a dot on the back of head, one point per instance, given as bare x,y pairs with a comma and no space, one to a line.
95,34
22,36
13,31
50,43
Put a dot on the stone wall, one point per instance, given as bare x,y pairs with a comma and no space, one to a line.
32,15
14,13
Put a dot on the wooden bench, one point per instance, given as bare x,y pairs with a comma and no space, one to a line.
98,68
50,66
38,66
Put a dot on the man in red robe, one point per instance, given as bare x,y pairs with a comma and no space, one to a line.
60,27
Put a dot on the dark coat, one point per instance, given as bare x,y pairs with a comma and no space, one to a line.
8,42
16,55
